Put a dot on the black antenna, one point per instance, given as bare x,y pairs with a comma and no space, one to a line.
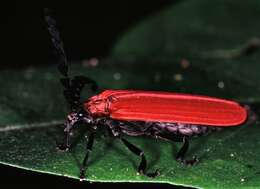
57,42
73,87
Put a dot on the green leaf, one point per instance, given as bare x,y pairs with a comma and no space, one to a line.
229,158
194,47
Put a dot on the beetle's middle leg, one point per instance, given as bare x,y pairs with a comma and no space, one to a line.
140,153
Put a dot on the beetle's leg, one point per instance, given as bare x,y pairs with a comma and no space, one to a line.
138,152
73,90
66,141
80,80
180,155
88,150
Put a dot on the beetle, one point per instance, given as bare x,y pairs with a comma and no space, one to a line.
163,115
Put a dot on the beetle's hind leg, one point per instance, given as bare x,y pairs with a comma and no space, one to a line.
140,153
180,155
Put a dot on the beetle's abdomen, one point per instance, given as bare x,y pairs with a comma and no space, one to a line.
158,129
188,130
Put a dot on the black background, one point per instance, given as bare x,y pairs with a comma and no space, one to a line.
88,30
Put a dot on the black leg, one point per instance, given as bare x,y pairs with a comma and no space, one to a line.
138,152
66,144
179,138
89,149
180,155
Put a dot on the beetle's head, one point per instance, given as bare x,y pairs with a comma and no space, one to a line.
74,117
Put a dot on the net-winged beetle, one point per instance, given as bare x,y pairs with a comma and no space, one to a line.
162,115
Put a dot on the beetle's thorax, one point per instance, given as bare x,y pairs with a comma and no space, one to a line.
97,106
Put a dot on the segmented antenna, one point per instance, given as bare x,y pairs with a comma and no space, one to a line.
57,42
73,87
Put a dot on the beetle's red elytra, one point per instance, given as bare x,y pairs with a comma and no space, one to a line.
170,107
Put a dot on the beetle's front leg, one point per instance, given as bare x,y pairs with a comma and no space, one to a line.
66,141
180,155
89,146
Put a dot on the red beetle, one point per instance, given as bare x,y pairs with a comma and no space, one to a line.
163,115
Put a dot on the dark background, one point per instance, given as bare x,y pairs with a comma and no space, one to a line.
88,30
